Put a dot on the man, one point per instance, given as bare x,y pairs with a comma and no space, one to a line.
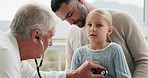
126,32
30,34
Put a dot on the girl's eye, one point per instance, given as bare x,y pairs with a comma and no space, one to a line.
99,25
89,24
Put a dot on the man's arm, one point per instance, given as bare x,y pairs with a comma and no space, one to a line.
72,42
68,54
138,48
128,34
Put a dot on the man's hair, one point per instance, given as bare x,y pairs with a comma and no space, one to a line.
30,17
56,4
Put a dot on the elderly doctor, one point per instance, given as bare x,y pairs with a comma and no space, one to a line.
30,34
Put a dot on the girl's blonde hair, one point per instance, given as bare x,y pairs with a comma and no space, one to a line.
105,14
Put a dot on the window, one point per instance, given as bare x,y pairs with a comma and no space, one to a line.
145,14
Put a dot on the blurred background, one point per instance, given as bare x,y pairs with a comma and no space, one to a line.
55,55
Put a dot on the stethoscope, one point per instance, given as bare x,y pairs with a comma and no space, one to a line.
39,65
102,72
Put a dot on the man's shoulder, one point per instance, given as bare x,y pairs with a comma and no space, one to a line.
116,11
119,13
121,18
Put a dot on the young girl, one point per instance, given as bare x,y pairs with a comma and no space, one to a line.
109,54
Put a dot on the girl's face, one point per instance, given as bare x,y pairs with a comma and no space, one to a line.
97,28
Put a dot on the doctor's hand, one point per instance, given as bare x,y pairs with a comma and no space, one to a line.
85,70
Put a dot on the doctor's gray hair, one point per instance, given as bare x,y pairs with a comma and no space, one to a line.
29,17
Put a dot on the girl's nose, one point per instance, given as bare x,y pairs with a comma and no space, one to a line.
93,28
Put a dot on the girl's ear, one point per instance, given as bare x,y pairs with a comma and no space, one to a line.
110,30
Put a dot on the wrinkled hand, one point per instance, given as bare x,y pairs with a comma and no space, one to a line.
84,71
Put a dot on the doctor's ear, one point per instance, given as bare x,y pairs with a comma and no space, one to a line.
37,38
35,35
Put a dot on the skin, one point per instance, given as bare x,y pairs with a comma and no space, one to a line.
97,30
35,50
74,13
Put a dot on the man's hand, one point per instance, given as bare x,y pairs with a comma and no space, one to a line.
85,70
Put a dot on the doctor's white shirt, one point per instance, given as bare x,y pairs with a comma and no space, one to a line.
12,67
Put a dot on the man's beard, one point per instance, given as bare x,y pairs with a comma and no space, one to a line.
82,23
83,13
